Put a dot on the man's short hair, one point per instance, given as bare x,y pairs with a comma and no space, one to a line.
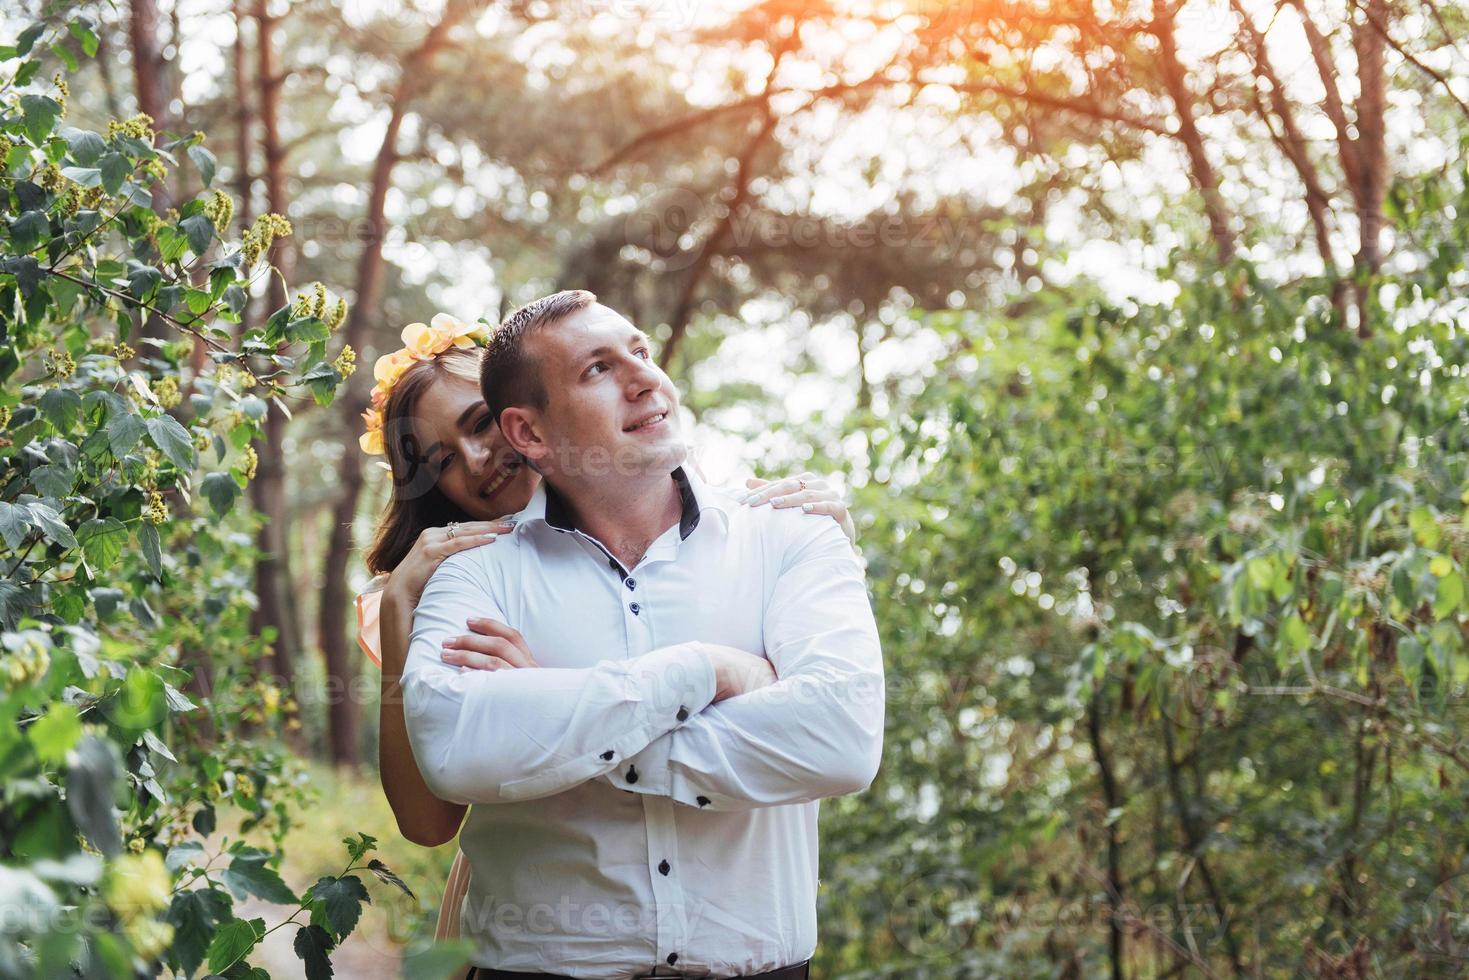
509,375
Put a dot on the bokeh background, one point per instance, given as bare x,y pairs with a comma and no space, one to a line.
1134,332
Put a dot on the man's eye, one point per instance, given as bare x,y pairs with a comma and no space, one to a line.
483,424
644,353
594,369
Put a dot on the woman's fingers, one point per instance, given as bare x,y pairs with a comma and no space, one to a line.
494,628
786,488
474,661
489,646
461,542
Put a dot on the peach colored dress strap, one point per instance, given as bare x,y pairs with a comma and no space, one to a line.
369,638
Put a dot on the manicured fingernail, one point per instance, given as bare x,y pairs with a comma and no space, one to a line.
490,536
777,501
808,507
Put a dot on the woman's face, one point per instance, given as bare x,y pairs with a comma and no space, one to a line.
461,444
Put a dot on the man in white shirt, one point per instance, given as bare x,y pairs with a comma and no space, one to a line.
645,798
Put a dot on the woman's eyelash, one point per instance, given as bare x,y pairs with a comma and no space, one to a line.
483,424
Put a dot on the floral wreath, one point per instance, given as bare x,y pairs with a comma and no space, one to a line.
421,342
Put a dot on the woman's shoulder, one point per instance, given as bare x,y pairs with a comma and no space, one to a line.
376,584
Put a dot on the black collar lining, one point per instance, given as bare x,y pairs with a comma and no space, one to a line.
559,516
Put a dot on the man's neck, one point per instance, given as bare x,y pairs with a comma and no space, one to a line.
626,516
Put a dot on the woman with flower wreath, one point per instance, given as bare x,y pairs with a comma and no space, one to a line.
454,483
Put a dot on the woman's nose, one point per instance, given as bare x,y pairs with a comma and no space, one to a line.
476,456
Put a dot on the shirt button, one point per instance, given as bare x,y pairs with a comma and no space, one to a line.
702,800
634,607
632,774
631,583
664,867
607,756
683,713
672,958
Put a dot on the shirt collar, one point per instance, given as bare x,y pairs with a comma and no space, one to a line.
548,507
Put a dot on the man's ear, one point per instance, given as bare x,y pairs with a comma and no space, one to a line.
522,429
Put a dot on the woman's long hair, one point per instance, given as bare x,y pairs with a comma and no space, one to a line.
416,502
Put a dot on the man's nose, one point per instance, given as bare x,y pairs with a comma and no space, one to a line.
646,376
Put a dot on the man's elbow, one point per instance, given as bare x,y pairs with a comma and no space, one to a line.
854,771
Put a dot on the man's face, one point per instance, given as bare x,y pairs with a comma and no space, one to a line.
611,411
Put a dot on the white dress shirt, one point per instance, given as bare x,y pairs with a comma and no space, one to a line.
622,822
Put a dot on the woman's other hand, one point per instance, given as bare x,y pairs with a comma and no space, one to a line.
491,646
812,493
434,544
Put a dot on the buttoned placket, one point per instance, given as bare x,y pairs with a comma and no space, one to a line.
658,815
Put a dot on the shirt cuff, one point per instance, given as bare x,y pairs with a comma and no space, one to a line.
669,687
646,770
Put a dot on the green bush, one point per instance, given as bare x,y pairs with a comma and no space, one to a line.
128,675
1173,605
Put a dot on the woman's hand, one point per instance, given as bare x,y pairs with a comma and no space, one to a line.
807,491
492,646
434,544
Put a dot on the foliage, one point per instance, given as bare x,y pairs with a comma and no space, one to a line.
125,599
1174,612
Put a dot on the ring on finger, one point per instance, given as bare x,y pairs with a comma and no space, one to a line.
802,484
453,528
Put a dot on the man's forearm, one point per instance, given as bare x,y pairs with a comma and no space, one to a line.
511,735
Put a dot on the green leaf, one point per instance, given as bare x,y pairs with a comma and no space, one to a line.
195,916
200,231
339,900
115,169
52,526
1295,634
91,782
205,161
86,146
27,39
220,489
28,230
53,479
1425,529
313,945
385,875
61,407
86,176
233,941
54,733
152,547
249,875
102,540
140,702
85,36
14,525
40,113
173,440
123,432
64,53
1449,595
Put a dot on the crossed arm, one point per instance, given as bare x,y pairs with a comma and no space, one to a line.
507,735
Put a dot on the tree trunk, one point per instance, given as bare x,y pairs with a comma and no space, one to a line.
1201,170
268,491
332,631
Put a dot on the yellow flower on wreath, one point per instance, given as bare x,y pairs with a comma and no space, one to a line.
421,342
